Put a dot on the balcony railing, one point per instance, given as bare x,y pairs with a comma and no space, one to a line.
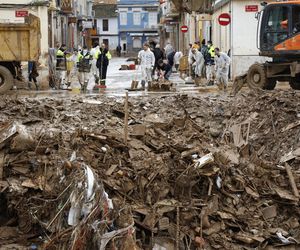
148,26
66,6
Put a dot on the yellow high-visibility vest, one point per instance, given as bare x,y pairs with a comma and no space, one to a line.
60,53
211,51
108,55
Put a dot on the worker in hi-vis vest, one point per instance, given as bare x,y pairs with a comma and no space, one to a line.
84,63
61,64
210,65
103,57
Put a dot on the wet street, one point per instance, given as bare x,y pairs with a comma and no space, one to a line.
118,81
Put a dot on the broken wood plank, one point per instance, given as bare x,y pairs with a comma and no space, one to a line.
290,126
111,169
190,152
292,180
160,132
126,119
1,165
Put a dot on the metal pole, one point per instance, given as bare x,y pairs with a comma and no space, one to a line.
52,30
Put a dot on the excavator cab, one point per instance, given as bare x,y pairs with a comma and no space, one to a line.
280,30
279,39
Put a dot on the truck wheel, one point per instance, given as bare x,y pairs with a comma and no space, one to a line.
6,80
256,76
295,82
270,84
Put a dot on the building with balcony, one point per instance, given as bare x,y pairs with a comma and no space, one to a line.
138,23
106,23
169,24
70,22
195,14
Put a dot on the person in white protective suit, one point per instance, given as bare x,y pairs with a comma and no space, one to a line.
198,62
147,60
222,63
94,53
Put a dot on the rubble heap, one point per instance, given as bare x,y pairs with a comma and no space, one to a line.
197,172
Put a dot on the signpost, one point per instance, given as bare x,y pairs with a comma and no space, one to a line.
21,13
224,19
184,28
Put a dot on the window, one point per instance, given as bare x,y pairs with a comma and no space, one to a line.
296,19
152,19
136,18
137,43
106,42
276,27
105,24
123,18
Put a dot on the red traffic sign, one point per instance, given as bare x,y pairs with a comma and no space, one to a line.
21,13
184,28
251,8
224,19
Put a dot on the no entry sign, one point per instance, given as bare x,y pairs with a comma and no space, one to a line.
224,19
184,28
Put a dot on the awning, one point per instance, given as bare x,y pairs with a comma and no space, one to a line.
151,34
136,34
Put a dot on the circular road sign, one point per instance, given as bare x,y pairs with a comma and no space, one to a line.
184,28
224,19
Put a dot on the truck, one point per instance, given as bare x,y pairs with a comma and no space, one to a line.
278,38
19,42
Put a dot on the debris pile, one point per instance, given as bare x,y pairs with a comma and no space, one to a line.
196,172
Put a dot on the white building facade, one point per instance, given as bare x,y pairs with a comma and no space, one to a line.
239,37
106,17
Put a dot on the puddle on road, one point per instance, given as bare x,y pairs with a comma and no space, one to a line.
91,101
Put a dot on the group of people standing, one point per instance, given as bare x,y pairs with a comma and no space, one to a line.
204,61
83,64
209,62
156,63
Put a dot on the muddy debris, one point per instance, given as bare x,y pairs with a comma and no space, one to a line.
196,173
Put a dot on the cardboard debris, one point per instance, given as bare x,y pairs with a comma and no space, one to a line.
269,212
197,172
290,156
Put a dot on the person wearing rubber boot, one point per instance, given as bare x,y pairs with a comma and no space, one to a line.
32,75
102,63
222,61
61,64
146,59
210,64
94,53
84,67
